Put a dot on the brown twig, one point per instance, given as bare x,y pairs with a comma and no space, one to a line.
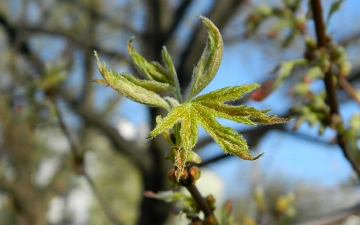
85,44
104,205
142,161
200,201
322,43
189,183
329,83
73,147
349,89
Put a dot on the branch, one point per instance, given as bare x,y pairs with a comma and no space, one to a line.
140,160
329,84
104,205
350,39
137,155
88,74
189,184
214,159
253,142
200,201
179,14
78,155
77,41
19,46
155,14
102,16
349,89
75,150
319,23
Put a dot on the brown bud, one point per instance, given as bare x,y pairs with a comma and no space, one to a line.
194,174
210,200
196,221
171,175
210,220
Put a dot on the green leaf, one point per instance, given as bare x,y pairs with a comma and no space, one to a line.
313,73
226,93
204,110
171,73
131,88
210,59
172,101
285,68
150,85
150,70
153,70
334,7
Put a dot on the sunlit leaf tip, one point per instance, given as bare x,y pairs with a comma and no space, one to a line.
247,156
209,62
269,119
130,87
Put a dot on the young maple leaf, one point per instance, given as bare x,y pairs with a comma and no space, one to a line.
186,116
204,109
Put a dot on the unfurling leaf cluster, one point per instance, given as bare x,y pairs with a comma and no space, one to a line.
184,117
157,78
